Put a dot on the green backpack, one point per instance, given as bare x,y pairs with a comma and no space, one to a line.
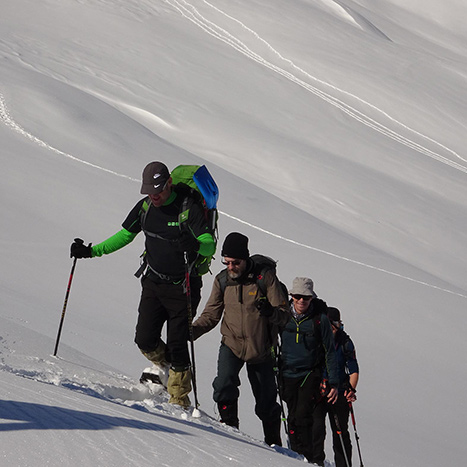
198,186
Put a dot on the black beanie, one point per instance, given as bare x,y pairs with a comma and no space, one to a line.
235,246
334,314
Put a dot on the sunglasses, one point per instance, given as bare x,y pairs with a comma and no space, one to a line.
338,324
235,262
300,297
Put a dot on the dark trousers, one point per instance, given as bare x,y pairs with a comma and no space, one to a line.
262,381
342,410
166,303
302,396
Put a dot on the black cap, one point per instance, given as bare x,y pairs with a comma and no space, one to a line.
334,314
155,176
235,246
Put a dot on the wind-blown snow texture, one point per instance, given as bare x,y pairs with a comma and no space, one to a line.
336,132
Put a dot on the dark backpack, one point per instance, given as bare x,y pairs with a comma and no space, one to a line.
261,265
196,184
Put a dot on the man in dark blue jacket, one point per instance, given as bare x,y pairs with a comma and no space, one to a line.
307,348
348,372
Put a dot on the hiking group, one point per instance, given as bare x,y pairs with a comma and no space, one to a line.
295,349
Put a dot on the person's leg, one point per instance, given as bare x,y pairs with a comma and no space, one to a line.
308,396
179,386
151,318
175,302
166,303
290,388
226,385
263,384
174,299
342,410
319,431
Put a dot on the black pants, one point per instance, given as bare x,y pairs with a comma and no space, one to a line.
302,396
262,381
166,303
342,410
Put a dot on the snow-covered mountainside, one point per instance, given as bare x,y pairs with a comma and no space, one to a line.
336,133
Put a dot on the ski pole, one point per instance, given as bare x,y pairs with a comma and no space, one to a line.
192,342
65,305
284,418
339,432
278,383
357,438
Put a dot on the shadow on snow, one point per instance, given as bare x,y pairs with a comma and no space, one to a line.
30,416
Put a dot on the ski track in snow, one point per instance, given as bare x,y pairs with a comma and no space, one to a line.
191,13
9,122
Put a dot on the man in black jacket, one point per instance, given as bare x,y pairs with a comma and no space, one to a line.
163,297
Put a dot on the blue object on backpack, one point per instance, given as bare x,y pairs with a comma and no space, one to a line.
207,186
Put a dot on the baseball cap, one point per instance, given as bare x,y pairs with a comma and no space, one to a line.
155,177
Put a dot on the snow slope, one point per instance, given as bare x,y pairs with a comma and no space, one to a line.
336,132
88,414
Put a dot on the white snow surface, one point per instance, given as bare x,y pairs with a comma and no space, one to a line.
336,131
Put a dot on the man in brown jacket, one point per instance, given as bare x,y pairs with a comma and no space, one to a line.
250,318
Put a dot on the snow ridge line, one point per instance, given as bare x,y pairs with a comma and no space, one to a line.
191,13
343,258
8,121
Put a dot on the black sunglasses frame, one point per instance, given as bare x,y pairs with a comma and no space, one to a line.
299,297
236,262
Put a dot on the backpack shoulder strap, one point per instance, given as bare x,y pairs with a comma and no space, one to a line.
319,310
222,278
190,196
317,327
343,339
143,212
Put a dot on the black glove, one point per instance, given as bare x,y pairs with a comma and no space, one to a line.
349,387
188,242
264,307
80,250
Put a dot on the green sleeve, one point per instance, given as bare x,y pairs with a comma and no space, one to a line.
113,243
207,245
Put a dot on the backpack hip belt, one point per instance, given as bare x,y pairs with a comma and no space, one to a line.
147,270
164,277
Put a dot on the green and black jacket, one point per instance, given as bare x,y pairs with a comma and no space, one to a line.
162,232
